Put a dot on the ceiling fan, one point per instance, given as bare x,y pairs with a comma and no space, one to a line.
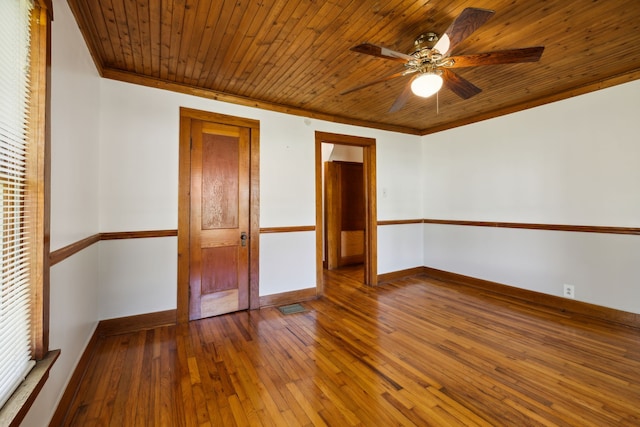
430,63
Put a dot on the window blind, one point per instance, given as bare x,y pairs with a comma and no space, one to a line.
15,292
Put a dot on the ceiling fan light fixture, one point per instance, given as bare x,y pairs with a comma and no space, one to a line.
426,84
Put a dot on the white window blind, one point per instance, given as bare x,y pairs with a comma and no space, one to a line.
15,292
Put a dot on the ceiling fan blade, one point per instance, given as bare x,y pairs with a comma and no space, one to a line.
510,56
461,87
381,52
403,97
382,80
466,23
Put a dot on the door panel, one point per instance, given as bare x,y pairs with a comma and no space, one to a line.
218,269
219,256
220,154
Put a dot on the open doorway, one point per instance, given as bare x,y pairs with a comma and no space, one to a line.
343,206
355,240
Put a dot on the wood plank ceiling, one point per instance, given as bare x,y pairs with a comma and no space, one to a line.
294,55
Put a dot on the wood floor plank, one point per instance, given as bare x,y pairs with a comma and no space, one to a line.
84,408
414,351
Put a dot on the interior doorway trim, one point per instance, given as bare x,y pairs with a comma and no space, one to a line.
371,235
184,204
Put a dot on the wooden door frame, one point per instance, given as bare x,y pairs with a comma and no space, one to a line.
371,218
184,204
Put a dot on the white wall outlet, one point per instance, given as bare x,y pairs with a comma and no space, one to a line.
569,291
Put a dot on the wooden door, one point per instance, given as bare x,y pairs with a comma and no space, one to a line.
344,214
219,219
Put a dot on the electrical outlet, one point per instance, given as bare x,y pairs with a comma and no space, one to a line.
569,291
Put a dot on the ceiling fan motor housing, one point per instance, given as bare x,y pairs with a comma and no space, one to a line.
424,41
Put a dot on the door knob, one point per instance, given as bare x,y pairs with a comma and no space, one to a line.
243,238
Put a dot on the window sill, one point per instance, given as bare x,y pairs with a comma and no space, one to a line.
16,408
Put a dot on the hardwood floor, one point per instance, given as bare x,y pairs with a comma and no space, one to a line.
412,352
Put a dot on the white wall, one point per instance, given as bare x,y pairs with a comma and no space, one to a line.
75,94
572,162
142,271
399,182
342,153
73,318
287,262
75,107
400,247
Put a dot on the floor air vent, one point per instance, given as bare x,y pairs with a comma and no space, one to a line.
290,309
